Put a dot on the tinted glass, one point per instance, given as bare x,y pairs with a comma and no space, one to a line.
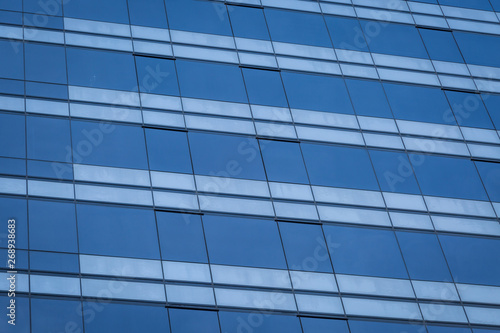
264,87
22,315
193,321
368,98
283,162
17,209
54,262
149,13
474,4
48,139
43,169
244,322
489,45
248,22
469,109
441,329
38,89
40,7
45,63
11,166
50,315
320,325
157,76
168,151
394,172
441,45
12,130
490,175
111,11
493,105
11,66
346,33
379,327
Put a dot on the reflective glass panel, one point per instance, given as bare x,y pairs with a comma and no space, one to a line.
248,22
394,172
110,11
264,87
490,174
149,13
346,33
48,139
157,76
50,315
469,109
168,151
470,43
12,130
321,325
441,45
241,322
283,162
45,63
193,321
11,66
368,98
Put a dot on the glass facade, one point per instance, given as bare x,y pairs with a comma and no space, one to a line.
250,166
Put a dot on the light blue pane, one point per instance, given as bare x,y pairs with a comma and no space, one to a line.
443,329
22,315
264,87
149,13
243,242
441,45
226,156
246,322
49,231
380,327
181,237
473,260
157,76
469,109
50,315
248,22
423,256
168,151
16,209
368,98
119,230
394,172
11,66
297,27
448,177
211,81
111,11
101,69
109,145
474,4
321,325
339,166
305,247
363,251
54,262
193,321
490,175
346,33
198,16
470,43
493,105
12,130
283,162
56,170
317,92
48,139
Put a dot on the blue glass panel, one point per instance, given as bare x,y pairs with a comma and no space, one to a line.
264,87
17,209
394,172
423,256
320,325
363,251
490,174
48,139
297,27
339,166
45,7
11,66
380,327
470,43
198,16
473,260
493,105
110,11
47,90
21,259
12,130
427,1
43,169
469,109
11,17
479,330
368,98
243,242
317,92
22,314
115,231
149,13
442,329
50,315
109,145
12,5
211,81
283,161
393,38
226,156
157,76
49,231
248,22
259,323
124,318
441,45
101,69
12,87
418,103
474,4
181,237
168,151
54,262
43,21
305,247
45,63
193,321
448,177
346,33
11,166
496,5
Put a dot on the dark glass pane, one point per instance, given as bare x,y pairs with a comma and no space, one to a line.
12,5
53,8
441,45
149,13
17,209
11,66
10,17
48,139
157,76
12,87
368,98
56,170
493,105
470,43
12,130
379,327
244,322
469,109
283,162
264,87
320,325
193,321
110,10
40,20
47,90
442,329
21,259
346,33
50,315
11,166
22,315
474,4
248,22
490,174
168,151
54,262
394,172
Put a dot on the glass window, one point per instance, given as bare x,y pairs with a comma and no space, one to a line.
423,256
119,230
283,162
193,321
473,260
243,242
246,322
50,315
393,38
54,262
368,98
12,130
22,323
21,259
380,327
248,22
157,76
264,87
418,103
43,7
11,66
305,247
469,109
441,45
317,92
442,329
181,237
339,166
101,69
110,11
44,21
297,27
211,81
12,5
496,5
109,145
13,87
37,89
198,16
470,43
48,139
11,166
490,174
363,251
493,105
49,231
17,209
346,33
448,177
394,172
321,325
45,63
124,318
149,13
168,151
474,4
226,156
41,169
